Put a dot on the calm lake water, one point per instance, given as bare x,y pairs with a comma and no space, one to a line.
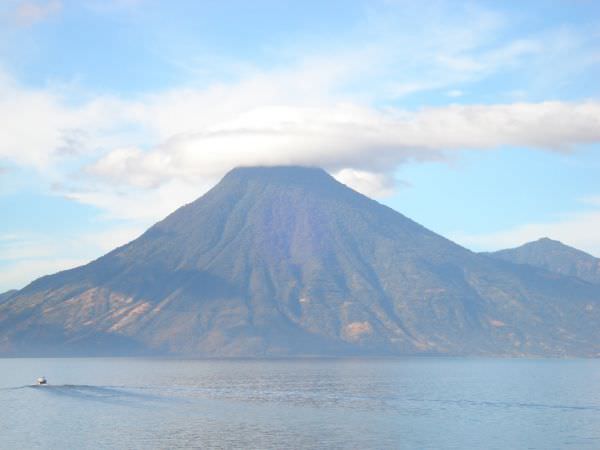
395,403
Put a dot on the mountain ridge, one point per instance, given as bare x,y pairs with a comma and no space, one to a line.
554,256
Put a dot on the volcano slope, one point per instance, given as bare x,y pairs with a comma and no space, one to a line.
287,261
556,257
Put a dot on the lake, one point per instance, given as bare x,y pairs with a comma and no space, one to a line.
310,403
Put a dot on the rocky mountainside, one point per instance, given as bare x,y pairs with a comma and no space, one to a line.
287,261
555,257
6,295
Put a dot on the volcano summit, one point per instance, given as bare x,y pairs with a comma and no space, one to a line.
288,261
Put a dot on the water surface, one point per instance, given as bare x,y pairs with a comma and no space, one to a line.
385,403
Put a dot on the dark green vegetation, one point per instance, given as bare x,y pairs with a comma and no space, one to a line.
287,261
555,257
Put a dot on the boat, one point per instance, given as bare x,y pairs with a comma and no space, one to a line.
42,380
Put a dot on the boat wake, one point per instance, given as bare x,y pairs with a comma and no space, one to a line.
88,392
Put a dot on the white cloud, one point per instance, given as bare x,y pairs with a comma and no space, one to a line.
322,101
25,257
455,93
41,126
18,274
166,148
593,200
369,183
349,137
141,206
30,12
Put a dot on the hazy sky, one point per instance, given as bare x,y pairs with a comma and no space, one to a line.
480,120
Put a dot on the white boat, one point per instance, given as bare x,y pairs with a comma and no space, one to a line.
42,380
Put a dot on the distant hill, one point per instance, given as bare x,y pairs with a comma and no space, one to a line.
555,257
287,261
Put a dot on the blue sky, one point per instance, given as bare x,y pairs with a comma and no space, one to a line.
480,120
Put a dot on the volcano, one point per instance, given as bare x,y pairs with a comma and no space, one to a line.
286,261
